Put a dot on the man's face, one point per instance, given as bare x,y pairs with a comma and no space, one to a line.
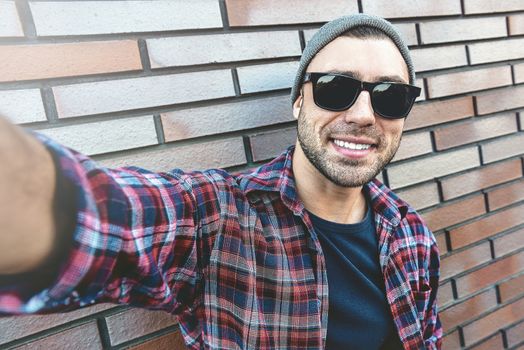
351,147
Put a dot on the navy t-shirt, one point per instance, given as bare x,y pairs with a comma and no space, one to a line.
359,315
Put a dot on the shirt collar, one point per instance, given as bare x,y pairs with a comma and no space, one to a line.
277,176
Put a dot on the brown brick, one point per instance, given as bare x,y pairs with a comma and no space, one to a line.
490,6
421,196
500,100
22,326
451,341
419,8
486,227
454,213
490,274
475,130
478,179
414,144
469,309
509,243
436,112
194,122
459,262
511,288
493,322
506,195
27,62
269,144
466,81
502,148
515,334
462,29
495,342
254,12
171,341
445,295
135,323
516,24
84,337
493,51
204,155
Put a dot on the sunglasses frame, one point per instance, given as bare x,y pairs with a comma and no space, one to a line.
313,77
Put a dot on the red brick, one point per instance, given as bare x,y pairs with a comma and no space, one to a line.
509,243
439,57
516,24
506,195
469,309
475,130
493,322
511,288
451,341
495,342
255,12
171,341
515,334
500,100
84,337
466,81
411,8
269,144
490,6
22,326
135,323
459,262
486,227
454,213
195,122
421,196
490,274
493,51
204,155
28,62
445,295
436,112
462,29
502,148
478,179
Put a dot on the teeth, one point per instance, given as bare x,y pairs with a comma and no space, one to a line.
351,145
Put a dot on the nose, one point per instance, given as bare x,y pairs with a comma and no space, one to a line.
362,111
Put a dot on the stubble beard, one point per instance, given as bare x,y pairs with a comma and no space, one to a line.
342,171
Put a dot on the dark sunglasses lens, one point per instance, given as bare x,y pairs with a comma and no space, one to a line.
335,93
392,100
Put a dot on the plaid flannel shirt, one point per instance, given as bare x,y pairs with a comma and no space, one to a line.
234,257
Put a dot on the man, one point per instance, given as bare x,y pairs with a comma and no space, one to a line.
306,252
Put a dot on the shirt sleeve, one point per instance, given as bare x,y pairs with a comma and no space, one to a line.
432,327
135,241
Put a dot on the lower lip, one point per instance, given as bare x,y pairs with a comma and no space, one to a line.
353,153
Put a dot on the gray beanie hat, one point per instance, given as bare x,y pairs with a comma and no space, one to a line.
331,30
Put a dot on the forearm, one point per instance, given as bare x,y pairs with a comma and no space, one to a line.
27,187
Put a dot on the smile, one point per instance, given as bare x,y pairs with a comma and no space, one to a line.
351,145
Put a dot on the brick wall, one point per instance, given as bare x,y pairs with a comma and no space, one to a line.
205,83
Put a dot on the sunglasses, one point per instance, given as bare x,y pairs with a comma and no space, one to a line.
338,92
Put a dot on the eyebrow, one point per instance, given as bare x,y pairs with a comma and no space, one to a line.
357,75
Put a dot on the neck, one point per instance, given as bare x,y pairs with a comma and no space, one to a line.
346,205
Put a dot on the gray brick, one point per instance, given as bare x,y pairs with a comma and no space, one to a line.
502,148
105,17
9,22
267,77
126,94
270,144
201,49
413,145
439,57
411,8
22,106
216,119
502,50
490,6
462,29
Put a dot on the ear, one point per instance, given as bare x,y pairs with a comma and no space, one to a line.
297,106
